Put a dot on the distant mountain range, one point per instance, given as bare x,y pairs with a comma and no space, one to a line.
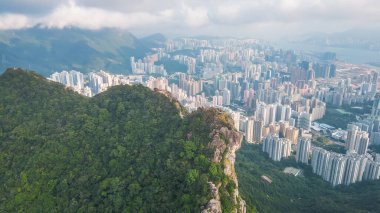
49,50
356,39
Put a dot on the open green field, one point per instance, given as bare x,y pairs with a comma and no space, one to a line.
337,117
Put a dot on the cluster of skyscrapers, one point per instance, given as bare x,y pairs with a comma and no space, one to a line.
279,148
344,169
92,83
276,147
332,167
272,96
345,94
357,140
147,66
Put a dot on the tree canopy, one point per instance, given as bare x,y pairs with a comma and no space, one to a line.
126,149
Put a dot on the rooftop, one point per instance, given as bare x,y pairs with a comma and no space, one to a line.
293,171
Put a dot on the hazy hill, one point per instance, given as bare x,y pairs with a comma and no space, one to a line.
128,149
49,50
154,41
359,38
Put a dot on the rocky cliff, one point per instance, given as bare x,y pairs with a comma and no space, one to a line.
225,142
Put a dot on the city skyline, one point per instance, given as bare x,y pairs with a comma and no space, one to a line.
285,95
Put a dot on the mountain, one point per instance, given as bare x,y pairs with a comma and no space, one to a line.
128,149
359,38
49,50
154,41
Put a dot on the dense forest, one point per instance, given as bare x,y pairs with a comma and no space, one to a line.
125,150
307,193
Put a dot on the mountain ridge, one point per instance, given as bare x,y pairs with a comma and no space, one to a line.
124,149
49,50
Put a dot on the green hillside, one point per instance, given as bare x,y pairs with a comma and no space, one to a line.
125,150
49,50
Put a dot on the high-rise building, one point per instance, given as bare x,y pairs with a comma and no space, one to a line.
357,140
352,131
375,138
319,160
375,113
288,112
257,131
303,150
276,147
372,171
249,130
292,134
284,125
236,117
261,113
280,113
274,128
335,169
304,121
344,169
226,97
363,145
271,113
355,165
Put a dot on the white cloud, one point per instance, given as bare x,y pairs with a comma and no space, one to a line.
218,17
13,21
94,18
195,17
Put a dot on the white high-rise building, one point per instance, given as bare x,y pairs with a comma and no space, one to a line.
271,113
226,97
261,113
319,160
303,150
288,112
362,147
236,117
276,147
249,130
372,171
355,165
344,169
335,169
352,131
357,140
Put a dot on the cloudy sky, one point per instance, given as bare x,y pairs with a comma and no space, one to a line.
241,18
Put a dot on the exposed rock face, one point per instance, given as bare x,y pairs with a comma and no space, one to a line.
225,143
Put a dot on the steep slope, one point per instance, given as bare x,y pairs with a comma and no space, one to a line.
48,50
127,149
